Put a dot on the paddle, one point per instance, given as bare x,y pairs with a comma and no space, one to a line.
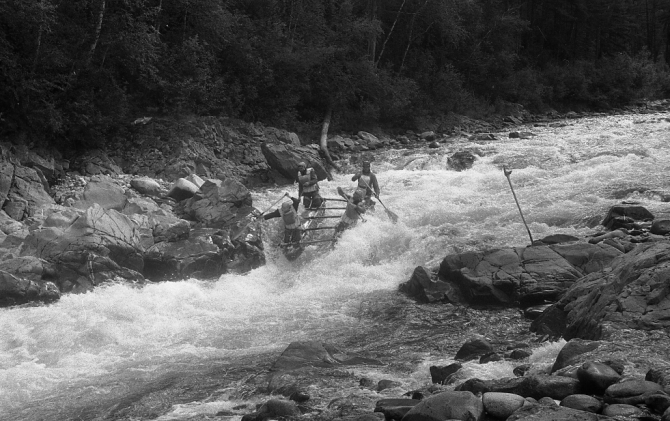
392,216
507,174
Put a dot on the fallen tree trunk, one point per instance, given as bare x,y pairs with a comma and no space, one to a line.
323,142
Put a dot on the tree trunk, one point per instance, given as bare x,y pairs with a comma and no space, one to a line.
372,40
390,33
96,37
323,142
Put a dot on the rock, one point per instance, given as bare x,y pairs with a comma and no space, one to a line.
424,289
30,267
514,135
444,375
521,370
583,403
395,409
551,322
434,145
182,189
490,357
658,402
535,386
633,294
147,186
520,354
274,408
219,203
660,227
461,161
571,352
533,312
528,275
96,162
631,392
660,376
387,384
9,225
105,193
501,405
285,158
299,396
169,228
26,195
197,256
276,135
367,137
558,239
552,413
15,290
666,415
621,410
473,348
547,401
195,179
445,406
625,216
317,354
596,377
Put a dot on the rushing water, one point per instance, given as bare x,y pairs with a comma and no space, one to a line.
80,357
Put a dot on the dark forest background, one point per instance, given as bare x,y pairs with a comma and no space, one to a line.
83,69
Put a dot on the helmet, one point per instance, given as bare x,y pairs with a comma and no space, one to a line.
366,164
358,195
302,164
286,207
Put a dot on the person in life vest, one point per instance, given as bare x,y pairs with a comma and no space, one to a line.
367,182
352,213
289,214
308,187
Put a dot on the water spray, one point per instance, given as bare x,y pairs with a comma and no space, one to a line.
507,174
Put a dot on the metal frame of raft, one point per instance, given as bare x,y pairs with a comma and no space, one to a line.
315,219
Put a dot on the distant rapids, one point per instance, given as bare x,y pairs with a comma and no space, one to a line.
87,351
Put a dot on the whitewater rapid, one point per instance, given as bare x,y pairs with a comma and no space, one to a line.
107,342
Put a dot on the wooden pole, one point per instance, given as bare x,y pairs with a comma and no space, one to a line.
507,174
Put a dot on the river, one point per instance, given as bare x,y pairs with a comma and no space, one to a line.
105,354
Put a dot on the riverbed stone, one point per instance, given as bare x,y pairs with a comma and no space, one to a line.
632,392
553,413
474,348
444,374
658,402
596,377
583,403
395,409
571,352
103,192
621,410
445,406
147,186
16,290
182,189
501,405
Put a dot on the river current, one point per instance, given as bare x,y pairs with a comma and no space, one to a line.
88,355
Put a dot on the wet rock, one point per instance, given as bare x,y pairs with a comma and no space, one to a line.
195,256
395,409
284,159
169,228
631,392
219,203
660,376
461,161
666,415
571,352
182,189
30,267
551,322
521,370
424,289
15,290
473,348
596,377
501,405
547,401
367,383
444,375
621,410
633,294
387,384
520,354
299,396
272,409
658,402
555,387
317,354
581,402
625,216
552,413
660,227
528,275
490,357
445,406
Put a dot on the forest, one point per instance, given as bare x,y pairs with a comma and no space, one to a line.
81,70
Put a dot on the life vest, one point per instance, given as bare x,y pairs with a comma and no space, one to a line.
304,178
364,182
350,214
289,216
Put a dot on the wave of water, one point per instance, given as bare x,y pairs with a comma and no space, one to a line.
113,340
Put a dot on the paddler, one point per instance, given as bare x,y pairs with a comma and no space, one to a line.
289,214
308,187
367,183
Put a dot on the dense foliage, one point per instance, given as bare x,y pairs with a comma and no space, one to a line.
80,69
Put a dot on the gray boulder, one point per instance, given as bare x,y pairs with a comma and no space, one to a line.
15,290
449,405
219,203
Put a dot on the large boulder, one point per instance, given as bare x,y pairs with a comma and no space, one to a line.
104,193
524,275
634,293
195,256
285,158
16,290
424,289
554,413
27,193
97,240
317,354
626,216
219,203
449,405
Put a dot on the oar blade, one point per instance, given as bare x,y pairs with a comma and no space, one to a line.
392,216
